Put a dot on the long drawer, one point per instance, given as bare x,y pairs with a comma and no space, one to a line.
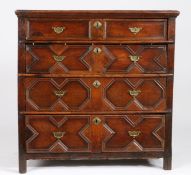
95,94
97,29
99,133
84,59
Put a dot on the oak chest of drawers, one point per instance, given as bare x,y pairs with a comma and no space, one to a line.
95,84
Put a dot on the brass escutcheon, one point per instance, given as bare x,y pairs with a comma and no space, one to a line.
96,84
97,50
134,133
134,93
97,24
60,93
58,135
58,30
134,58
96,120
58,58
135,30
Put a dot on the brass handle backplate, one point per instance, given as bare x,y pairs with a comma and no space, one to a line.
97,50
97,24
134,93
135,30
58,30
96,84
58,135
96,120
60,93
58,58
134,133
134,58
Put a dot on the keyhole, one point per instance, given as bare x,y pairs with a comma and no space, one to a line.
97,50
96,120
96,83
97,24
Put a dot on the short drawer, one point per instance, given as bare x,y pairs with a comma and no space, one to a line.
94,133
136,29
95,94
57,30
71,59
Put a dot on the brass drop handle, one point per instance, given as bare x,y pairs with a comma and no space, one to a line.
134,58
58,135
60,93
97,24
134,133
134,93
135,30
96,84
58,58
96,120
58,30
97,50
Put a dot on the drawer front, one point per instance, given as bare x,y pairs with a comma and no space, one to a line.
57,30
95,94
131,59
121,30
57,134
94,133
136,30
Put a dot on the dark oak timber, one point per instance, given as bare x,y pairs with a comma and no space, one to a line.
95,85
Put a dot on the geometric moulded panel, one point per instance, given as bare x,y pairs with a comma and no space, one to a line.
54,134
57,94
136,94
134,133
